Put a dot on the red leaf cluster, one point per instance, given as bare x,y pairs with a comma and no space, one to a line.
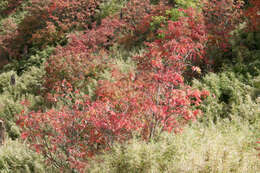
221,17
47,22
136,17
253,14
84,57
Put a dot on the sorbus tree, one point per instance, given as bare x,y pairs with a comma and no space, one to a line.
148,101
67,137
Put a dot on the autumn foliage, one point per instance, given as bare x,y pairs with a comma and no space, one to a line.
221,17
56,18
148,101
253,14
84,56
145,102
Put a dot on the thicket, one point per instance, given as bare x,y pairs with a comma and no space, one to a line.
84,75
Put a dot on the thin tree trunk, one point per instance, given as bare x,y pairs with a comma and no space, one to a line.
2,132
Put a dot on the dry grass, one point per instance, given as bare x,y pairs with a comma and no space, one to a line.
223,148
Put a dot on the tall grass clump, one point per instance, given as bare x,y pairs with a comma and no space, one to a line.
225,147
15,157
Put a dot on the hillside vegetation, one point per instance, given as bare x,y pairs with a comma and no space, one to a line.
130,86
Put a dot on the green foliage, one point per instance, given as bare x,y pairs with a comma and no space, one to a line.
29,82
27,87
122,58
3,5
157,21
225,147
17,158
256,82
246,52
187,3
174,14
37,60
230,97
17,15
108,8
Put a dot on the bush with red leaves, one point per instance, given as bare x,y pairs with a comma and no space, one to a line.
47,22
253,14
146,102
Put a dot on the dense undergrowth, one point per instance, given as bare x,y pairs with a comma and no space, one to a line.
130,85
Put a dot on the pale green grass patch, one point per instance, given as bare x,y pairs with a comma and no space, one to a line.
225,147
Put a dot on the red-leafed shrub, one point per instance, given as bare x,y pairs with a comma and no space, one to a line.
182,43
253,14
7,32
151,100
137,17
162,68
221,17
67,137
84,56
47,22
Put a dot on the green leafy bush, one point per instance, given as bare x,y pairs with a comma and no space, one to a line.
27,87
3,5
15,89
246,52
229,97
187,3
17,158
108,8
34,61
